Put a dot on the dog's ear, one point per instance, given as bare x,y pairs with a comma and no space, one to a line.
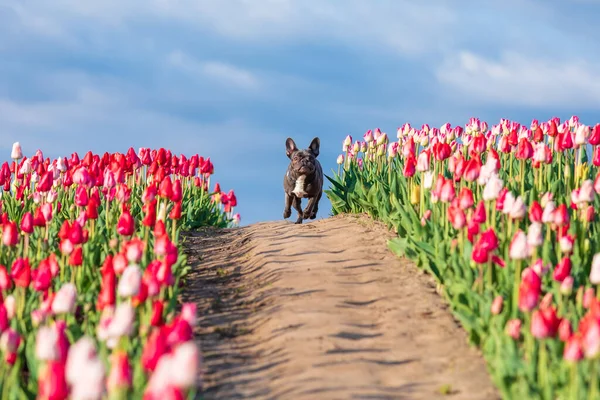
290,147
314,146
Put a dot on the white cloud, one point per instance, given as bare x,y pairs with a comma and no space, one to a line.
223,72
403,26
520,80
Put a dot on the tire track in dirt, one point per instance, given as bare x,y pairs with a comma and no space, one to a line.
323,311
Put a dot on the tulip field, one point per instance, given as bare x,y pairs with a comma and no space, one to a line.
506,220
91,266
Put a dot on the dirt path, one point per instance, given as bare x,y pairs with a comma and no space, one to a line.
323,311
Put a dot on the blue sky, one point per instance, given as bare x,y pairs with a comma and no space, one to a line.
232,79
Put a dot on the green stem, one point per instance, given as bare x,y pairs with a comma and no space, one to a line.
574,382
517,282
543,370
593,395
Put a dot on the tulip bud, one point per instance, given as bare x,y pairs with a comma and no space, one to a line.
513,328
414,195
566,286
497,305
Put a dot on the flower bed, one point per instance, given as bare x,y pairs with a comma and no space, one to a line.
90,271
506,221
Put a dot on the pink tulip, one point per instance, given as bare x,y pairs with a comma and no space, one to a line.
130,281
85,371
497,305
122,323
64,301
573,351
518,249
513,328
9,344
595,270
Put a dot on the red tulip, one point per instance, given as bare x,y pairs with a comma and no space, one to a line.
504,145
573,351
529,290
5,281
159,229
166,188
441,151
589,214
155,347
553,129
489,240
180,331
120,376
457,218
447,192
479,144
149,194
4,320
42,277
564,330
472,170
465,198
21,272
596,156
76,257
410,166
232,198
480,255
52,382
38,218
107,295
10,235
524,150
126,224
472,229
538,134
76,234
27,223
594,138
563,269
91,212
175,213
177,194
45,183
81,196
157,314
479,215
513,137
544,323
535,212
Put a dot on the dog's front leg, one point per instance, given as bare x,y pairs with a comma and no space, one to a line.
308,211
287,211
296,202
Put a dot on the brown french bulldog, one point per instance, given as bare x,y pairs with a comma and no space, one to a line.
303,180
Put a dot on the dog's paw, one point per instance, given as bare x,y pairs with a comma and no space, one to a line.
299,220
287,214
306,215
313,215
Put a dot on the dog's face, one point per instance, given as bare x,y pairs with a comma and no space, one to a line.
302,161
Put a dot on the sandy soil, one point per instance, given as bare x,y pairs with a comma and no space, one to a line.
324,311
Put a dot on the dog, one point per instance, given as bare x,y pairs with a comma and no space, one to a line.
303,180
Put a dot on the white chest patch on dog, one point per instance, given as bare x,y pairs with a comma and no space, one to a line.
299,187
